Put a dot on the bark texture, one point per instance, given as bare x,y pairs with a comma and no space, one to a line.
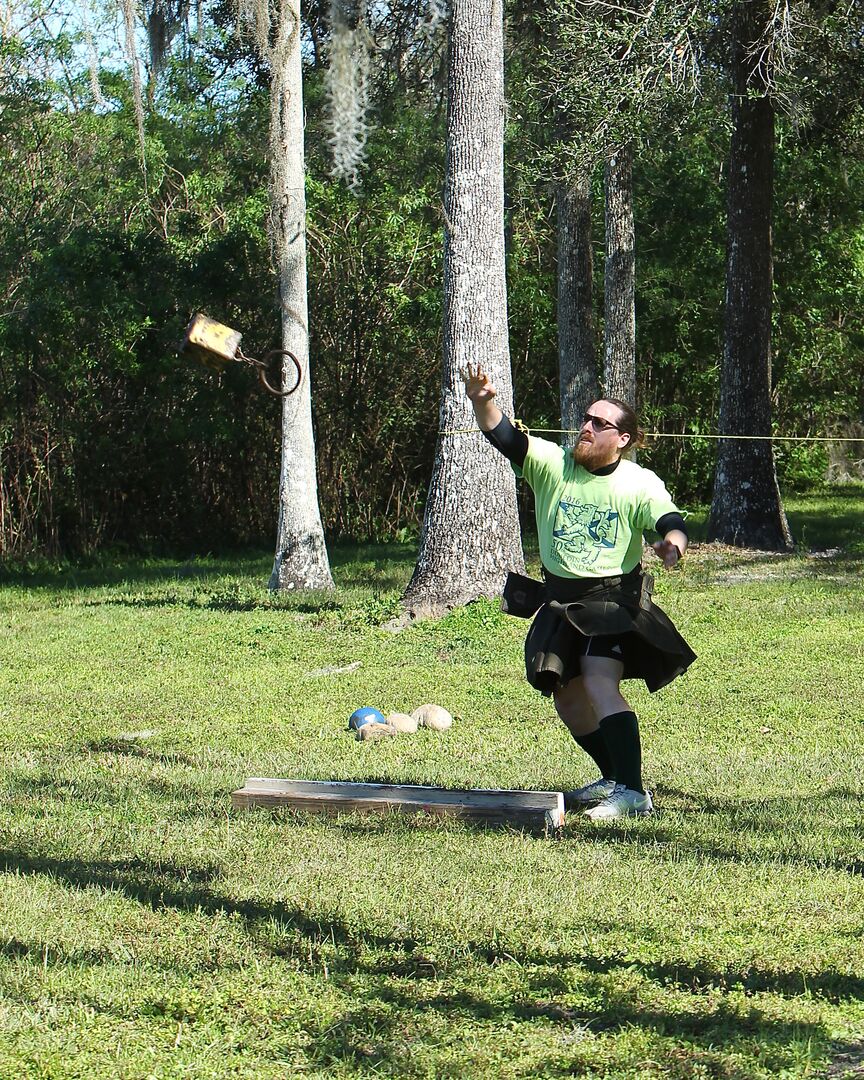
577,353
470,536
301,556
619,360
746,510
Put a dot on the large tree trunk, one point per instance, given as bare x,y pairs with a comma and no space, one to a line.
470,535
301,556
746,509
619,289
577,354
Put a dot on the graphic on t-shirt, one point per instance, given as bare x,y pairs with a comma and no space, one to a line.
583,530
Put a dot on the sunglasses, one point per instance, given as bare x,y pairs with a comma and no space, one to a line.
598,423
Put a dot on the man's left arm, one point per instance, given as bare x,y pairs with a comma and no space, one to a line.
674,543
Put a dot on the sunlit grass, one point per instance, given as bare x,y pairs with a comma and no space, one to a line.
149,930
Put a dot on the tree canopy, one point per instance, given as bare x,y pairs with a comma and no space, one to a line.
108,437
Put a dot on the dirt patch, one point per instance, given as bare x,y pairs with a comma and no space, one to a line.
717,552
737,566
849,1062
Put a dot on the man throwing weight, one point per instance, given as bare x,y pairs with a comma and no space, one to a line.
598,624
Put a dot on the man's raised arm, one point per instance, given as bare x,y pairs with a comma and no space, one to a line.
481,392
511,442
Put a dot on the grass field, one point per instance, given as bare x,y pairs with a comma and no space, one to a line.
147,930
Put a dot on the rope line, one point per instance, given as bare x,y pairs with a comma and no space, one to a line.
675,435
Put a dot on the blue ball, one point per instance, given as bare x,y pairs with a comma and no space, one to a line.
364,716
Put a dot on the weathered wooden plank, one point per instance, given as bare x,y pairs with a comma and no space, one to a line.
543,809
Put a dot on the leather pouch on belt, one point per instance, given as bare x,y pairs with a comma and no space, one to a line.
522,596
647,590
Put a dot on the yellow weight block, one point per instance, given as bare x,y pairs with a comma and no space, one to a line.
211,343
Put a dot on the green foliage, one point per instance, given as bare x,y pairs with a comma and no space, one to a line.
602,76
374,271
819,328
108,437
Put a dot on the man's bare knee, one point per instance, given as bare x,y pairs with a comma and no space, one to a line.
601,679
574,707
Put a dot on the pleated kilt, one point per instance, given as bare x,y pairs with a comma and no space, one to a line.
619,607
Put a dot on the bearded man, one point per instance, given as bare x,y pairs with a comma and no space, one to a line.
597,624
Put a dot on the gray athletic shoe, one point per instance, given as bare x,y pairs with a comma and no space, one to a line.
623,802
594,792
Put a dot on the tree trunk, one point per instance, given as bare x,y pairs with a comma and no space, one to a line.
577,354
746,509
470,535
301,555
619,361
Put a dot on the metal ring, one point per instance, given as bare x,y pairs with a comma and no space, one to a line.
264,364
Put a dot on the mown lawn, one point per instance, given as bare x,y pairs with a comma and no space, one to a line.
148,930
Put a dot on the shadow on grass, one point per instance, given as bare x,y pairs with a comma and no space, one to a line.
391,565
169,885
770,814
186,798
139,879
134,748
41,953
131,571
307,603
789,805
190,799
389,977
744,565
373,1035
831,518
765,818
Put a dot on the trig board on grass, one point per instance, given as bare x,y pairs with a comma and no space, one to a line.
532,809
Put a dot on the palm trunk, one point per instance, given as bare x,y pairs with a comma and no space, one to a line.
746,509
301,555
619,363
577,354
470,535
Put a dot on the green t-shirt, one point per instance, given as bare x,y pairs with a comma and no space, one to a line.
591,526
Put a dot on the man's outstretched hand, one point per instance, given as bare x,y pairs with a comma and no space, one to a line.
668,552
478,385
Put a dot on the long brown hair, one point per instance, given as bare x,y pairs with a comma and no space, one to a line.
628,424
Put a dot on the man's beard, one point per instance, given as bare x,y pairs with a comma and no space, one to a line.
589,456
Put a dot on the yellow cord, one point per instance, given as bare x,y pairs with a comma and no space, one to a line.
667,435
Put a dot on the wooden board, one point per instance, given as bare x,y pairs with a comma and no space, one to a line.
537,809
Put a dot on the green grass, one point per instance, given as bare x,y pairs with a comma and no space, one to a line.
150,931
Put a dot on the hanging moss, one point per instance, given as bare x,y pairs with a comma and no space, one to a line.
128,8
348,89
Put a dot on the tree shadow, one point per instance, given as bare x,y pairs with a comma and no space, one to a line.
399,975
373,1029
379,567
187,800
183,887
133,571
761,817
166,884
309,602
134,748
390,564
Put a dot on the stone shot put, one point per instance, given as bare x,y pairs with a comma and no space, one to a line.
596,622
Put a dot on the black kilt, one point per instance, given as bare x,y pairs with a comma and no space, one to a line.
619,607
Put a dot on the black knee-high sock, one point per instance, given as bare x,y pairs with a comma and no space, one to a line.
620,733
594,746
